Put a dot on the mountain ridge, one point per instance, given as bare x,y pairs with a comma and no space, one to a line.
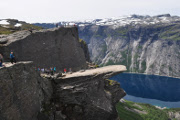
144,44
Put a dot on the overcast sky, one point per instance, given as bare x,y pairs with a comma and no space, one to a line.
69,10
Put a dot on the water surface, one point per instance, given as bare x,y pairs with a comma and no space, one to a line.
156,90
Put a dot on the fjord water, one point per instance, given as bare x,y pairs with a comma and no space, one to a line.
152,89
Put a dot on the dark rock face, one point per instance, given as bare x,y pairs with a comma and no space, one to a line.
89,97
24,95
47,48
21,92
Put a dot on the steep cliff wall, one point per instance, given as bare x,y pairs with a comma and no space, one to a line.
46,48
151,49
22,92
87,95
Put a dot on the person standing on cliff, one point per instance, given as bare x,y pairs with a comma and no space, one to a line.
12,57
57,25
51,69
54,69
0,64
65,70
1,58
70,70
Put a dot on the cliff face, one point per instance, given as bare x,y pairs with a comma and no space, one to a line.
151,49
21,92
78,96
84,46
87,95
46,48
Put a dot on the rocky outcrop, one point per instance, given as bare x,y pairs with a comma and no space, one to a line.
88,95
22,92
174,115
46,48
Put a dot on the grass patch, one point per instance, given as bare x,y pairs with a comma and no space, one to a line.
30,26
82,41
5,30
11,29
152,112
125,114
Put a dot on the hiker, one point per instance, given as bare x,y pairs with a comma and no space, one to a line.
70,70
39,69
57,25
30,30
47,71
64,70
42,70
1,58
54,69
51,69
0,64
12,57
35,68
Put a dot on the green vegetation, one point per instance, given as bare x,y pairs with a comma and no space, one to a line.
11,29
5,30
82,41
111,82
153,113
119,32
122,31
143,65
96,66
30,26
110,62
125,114
171,32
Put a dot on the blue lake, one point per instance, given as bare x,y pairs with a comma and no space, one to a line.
156,90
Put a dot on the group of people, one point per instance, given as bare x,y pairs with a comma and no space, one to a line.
12,59
51,70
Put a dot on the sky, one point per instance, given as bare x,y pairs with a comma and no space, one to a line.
48,11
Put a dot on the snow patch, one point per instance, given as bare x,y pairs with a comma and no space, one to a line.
4,22
18,25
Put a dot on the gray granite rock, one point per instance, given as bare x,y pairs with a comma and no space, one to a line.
46,48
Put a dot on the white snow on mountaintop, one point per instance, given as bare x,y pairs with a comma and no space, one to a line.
18,25
4,22
126,20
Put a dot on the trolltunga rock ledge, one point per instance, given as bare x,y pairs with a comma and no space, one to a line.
88,95
108,71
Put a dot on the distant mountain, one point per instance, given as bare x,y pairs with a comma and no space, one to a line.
145,44
8,26
119,21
